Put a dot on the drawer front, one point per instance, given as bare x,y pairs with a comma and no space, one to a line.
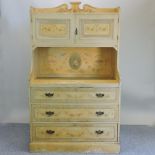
75,95
74,132
73,113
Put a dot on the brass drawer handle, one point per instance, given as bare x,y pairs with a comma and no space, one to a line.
50,132
99,94
99,113
99,132
49,113
49,94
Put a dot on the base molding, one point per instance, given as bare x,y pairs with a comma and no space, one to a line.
86,147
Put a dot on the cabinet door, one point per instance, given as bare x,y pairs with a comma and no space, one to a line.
53,30
94,29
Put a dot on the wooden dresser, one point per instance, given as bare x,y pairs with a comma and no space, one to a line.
74,80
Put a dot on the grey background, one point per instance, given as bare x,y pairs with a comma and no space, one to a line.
137,58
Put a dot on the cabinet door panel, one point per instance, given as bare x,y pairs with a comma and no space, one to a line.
97,29
53,30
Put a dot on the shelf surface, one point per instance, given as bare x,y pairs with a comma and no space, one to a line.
74,81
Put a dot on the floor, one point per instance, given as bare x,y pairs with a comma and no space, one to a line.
135,140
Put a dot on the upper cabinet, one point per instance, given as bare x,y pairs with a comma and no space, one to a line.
53,30
97,29
64,27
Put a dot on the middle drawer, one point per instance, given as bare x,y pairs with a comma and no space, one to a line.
73,113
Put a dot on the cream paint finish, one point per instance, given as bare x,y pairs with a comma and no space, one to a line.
55,113
76,65
87,147
89,95
136,58
98,63
82,132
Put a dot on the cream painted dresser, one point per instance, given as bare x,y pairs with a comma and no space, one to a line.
74,80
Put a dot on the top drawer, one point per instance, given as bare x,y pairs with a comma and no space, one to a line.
75,95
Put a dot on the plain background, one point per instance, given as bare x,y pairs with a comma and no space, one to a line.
137,58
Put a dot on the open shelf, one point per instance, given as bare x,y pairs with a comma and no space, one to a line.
69,63
69,81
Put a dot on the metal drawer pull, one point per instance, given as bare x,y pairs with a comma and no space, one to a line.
49,113
49,94
50,132
99,94
99,113
99,132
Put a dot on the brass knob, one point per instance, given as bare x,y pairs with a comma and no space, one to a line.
49,94
99,113
99,94
99,132
50,132
49,113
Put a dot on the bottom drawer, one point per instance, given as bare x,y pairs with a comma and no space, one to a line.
74,132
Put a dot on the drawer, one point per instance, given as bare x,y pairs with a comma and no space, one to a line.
73,113
74,132
75,95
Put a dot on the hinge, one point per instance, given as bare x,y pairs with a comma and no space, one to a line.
117,37
118,20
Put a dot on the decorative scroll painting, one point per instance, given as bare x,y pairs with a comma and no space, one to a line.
76,62
54,28
97,28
